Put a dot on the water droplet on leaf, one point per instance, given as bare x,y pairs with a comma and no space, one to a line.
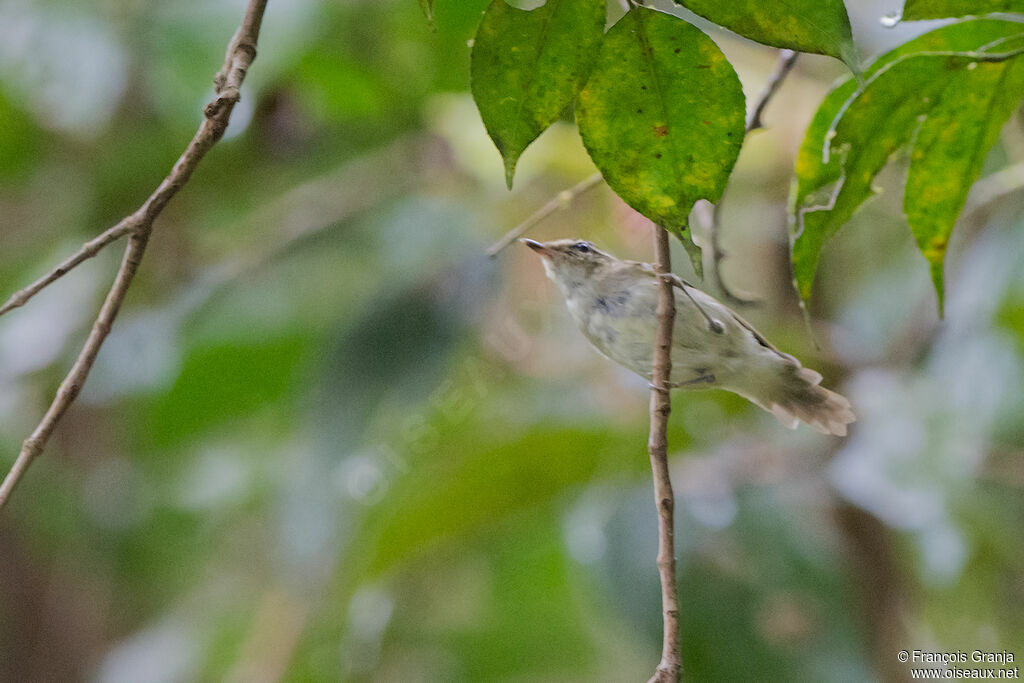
891,19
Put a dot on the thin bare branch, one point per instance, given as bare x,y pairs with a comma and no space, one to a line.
563,200
226,91
787,60
712,219
240,54
87,251
713,222
670,669
72,384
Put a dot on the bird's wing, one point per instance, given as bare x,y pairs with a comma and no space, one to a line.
647,269
757,335
640,267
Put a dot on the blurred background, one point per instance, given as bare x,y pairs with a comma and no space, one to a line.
329,439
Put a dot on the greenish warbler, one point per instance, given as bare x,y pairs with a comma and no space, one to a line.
614,302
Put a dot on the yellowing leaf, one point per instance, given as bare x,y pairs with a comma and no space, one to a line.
662,116
856,130
819,26
950,149
941,9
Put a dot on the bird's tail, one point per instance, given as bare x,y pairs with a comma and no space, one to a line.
794,394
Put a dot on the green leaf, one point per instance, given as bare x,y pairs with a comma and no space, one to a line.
876,123
855,131
819,26
222,384
528,66
812,173
19,140
662,116
950,149
915,10
474,487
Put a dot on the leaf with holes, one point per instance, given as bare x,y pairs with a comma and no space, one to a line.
812,174
662,116
526,67
950,149
915,10
819,26
855,131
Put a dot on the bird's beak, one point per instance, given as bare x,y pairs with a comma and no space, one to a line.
536,246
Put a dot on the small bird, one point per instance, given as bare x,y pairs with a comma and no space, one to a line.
614,302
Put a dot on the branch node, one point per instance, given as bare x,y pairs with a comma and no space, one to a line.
31,446
248,48
229,96
135,224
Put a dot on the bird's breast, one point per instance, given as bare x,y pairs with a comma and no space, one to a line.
620,323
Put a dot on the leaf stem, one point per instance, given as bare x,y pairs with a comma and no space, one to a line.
713,223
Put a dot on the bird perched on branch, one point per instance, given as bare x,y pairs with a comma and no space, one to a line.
614,302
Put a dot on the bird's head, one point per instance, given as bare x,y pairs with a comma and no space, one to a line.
570,262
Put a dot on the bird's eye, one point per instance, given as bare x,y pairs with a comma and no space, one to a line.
582,247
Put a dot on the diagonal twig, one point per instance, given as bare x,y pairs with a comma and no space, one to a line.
713,222
787,59
560,201
240,54
670,669
87,251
